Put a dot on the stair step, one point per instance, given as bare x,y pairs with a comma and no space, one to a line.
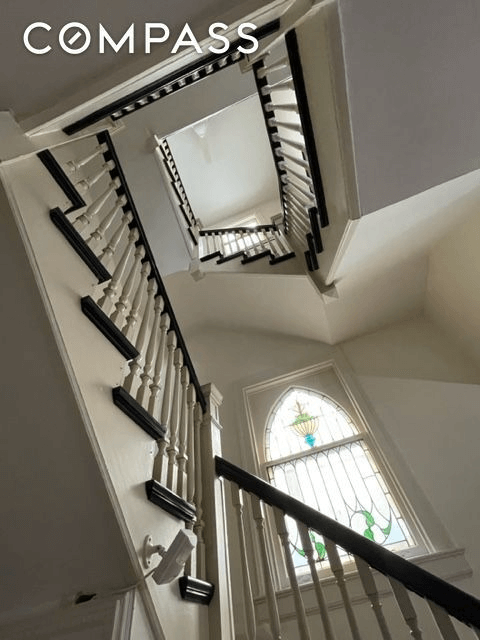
285,256
195,590
231,256
110,330
79,245
124,401
210,256
257,256
169,501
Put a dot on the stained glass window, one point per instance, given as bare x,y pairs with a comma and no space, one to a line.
317,454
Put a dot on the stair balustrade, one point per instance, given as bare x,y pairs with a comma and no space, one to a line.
282,93
453,613
245,243
160,391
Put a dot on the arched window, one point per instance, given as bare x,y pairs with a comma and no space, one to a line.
316,453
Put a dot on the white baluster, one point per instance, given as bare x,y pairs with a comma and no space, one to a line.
75,165
406,607
182,456
107,301
172,449
129,329
119,315
108,253
98,234
337,570
160,472
199,525
282,531
307,547
88,183
238,505
143,392
136,366
371,591
276,66
84,219
154,403
443,621
191,401
259,517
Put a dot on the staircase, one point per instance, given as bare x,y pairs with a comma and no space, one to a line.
160,394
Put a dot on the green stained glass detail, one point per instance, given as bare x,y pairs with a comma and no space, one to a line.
322,552
369,519
368,533
302,417
387,529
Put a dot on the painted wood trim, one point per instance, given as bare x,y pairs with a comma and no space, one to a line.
61,178
195,590
307,126
169,501
110,330
126,403
456,602
259,227
231,256
198,66
79,245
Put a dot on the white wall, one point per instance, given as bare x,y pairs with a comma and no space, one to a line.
423,392
453,292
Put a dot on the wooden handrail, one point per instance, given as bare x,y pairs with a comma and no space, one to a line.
456,602
260,227
117,172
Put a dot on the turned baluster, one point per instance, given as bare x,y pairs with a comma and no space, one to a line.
191,401
160,461
98,234
337,570
75,165
129,329
133,378
119,315
107,301
406,607
182,456
259,517
443,622
107,254
191,565
238,505
371,591
199,525
146,377
301,616
87,183
307,547
172,449
84,219
154,403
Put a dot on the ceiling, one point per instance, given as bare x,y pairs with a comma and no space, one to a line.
37,82
226,163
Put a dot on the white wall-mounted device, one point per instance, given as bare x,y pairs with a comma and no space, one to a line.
173,559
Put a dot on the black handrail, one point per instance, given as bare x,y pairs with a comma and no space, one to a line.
259,227
456,602
117,172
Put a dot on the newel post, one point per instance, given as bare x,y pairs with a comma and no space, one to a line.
214,516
